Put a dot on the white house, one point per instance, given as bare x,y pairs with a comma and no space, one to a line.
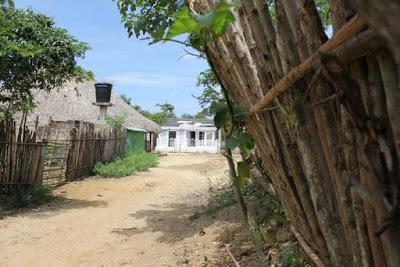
189,135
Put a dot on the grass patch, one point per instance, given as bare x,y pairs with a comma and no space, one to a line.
28,197
130,163
293,257
220,199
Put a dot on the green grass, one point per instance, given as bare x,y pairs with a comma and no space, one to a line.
31,196
217,201
293,257
130,163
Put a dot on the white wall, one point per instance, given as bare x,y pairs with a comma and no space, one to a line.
181,143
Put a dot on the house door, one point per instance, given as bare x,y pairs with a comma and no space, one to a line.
171,138
192,139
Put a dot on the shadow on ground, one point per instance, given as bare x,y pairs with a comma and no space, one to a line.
56,205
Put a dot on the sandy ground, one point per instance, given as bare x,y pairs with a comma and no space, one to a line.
140,220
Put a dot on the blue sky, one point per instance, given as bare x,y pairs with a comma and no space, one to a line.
149,74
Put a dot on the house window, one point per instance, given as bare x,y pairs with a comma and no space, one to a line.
171,138
201,138
209,138
191,138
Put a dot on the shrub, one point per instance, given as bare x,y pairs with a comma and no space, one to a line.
130,163
26,197
293,257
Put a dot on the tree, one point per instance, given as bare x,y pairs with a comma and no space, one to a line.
158,117
187,116
34,54
211,90
321,139
7,3
148,17
201,115
167,109
126,99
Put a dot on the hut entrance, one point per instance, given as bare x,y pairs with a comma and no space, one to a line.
55,162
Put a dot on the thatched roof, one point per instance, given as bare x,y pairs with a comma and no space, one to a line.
74,102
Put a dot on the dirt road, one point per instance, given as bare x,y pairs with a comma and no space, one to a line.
140,220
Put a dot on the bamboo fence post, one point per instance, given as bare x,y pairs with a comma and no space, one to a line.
355,25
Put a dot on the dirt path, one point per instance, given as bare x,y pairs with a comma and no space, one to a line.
135,221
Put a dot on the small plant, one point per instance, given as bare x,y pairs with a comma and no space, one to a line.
130,163
184,260
205,262
26,197
292,257
217,201
117,121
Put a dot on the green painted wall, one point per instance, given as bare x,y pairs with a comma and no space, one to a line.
134,140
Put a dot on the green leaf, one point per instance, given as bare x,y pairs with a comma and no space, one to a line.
184,23
243,174
223,16
241,113
222,117
269,237
246,143
217,106
243,169
203,20
279,219
232,143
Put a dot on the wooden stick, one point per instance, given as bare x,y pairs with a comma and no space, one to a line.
354,26
307,249
231,255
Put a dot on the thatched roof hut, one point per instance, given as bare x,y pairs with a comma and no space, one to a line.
74,102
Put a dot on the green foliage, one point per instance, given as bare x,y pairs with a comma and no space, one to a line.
246,142
126,99
7,3
117,121
187,116
184,23
166,113
168,109
293,257
142,17
130,163
166,19
214,22
217,201
201,115
324,10
28,197
243,172
34,54
240,113
211,90
158,117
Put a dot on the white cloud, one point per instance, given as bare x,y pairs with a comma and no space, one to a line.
143,79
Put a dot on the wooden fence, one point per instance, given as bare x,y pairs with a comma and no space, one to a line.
87,147
21,157
67,150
